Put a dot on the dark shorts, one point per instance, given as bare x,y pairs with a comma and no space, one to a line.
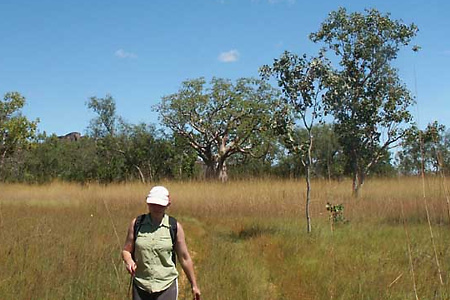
171,293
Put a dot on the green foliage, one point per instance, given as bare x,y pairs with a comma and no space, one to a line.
427,150
327,157
222,119
365,95
113,152
109,162
54,159
301,81
137,154
336,212
16,131
383,167
246,166
152,156
106,121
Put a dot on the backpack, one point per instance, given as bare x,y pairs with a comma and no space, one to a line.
173,233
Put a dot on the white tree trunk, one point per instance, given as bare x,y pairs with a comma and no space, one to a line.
223,173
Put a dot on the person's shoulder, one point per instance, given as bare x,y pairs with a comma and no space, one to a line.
179,225
132,224
138,219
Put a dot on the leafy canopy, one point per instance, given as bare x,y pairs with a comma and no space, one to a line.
365,95
222,118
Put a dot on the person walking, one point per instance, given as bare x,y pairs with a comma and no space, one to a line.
152,243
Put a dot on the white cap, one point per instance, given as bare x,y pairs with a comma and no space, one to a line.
158,195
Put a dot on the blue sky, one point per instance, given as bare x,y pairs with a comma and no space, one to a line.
59,53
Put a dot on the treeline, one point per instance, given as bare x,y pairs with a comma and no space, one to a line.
115,151
324,120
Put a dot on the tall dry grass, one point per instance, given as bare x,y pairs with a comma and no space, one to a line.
248,239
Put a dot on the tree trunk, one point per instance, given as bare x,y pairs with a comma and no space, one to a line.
308,199
223,173
362,178
150,172
329,169
308,185
358,181
221,165
356,176
210,172
140,174
2,162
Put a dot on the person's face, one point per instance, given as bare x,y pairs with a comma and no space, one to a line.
156,209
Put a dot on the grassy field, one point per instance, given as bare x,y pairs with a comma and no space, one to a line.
248,240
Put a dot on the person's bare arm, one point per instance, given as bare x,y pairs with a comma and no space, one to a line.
186,261
128,248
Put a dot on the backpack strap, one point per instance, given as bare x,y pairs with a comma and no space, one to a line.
173,234
137,226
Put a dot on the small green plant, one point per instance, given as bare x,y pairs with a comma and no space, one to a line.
336,213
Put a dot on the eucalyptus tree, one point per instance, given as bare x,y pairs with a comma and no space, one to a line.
106,122
302,82
424,150
365,96
103,129
16,131
221,119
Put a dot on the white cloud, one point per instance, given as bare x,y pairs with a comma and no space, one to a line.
230,56
123,54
